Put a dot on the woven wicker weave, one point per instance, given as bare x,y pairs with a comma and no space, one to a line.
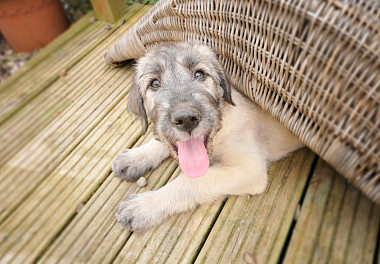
314,65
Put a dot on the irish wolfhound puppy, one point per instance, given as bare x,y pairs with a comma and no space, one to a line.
223,141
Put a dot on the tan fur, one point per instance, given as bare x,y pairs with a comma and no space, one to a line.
249,139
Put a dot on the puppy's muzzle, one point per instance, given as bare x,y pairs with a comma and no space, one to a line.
186,119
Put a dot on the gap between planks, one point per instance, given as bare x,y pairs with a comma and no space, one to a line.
21,91
54,127
42,54
58,196
337,224
54,133
177,240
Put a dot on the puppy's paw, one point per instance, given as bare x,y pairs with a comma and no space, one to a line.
128,165
140,212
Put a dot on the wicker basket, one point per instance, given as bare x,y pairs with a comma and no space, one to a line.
314,65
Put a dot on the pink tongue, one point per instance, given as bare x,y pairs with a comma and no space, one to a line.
193,157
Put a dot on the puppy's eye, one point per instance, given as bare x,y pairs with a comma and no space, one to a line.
155,84
199,74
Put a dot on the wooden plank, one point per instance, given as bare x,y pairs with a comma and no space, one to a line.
103,237
42,54
28,122
337,224
36,222
31,165
378,251
23,89
26,232
97,218
47,106
259,225
109,10
39,157
178,240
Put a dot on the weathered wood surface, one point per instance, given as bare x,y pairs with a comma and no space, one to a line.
109,10
58,196
260,225
60,55
39,95
337,224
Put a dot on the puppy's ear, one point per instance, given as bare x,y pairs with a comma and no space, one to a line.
223,82
135,105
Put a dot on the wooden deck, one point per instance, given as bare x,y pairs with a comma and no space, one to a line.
63,119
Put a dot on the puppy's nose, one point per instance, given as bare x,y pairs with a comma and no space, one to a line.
185,119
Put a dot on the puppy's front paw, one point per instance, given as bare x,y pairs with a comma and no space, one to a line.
140,212
129,166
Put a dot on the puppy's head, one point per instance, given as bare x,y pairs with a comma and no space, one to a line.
181,88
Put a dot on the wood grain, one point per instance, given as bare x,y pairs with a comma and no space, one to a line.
337,224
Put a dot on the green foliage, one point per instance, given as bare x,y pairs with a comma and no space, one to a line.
77,5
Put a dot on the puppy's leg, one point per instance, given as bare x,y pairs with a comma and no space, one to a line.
143,211
131,164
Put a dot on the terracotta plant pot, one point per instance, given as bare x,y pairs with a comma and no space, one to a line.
28,25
